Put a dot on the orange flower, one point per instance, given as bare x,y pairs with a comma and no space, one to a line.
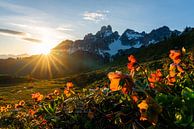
114,85
130,66
37,97
132,59
8,106
40,98
125,89
3,109
172,73
69,85
21,103
177,61
180,69
143,105
31,112
114,75
131,63
158,73
67,92
17,105
172,67
115,78
135,98
171,80
155,77
172,70
56,92
175,56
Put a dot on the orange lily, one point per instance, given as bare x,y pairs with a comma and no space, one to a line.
132,59
175,56
69,85
115,78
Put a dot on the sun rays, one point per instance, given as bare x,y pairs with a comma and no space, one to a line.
44,65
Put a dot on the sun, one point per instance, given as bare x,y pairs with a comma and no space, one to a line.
45,49
42,48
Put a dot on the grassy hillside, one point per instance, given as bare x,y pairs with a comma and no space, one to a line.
157,98
152,56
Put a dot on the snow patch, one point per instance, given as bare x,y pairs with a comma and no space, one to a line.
133,36
115,46
107,33
153,41
137,45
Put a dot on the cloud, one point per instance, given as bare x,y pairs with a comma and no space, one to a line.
32,40
64,28
18,25
19,34
12,32
95,16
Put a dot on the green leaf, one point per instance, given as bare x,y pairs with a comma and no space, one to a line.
164,99
187,92
188,95
177,102
122,82
51,108
47,110
184,117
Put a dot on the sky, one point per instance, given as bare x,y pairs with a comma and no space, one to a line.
34,26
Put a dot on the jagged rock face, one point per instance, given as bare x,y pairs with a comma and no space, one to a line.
105,41
92,43
130,37
157,35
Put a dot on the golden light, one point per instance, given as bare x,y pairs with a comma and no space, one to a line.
48,41
43,49
44,65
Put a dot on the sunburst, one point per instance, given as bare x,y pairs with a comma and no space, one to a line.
44,63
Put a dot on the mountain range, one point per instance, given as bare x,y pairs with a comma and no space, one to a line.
107,42
94,51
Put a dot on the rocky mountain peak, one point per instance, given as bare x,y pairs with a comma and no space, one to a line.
105,41
129,31
89,37
106,28
163,30
104,31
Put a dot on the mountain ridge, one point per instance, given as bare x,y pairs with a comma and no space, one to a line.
108,42
63,64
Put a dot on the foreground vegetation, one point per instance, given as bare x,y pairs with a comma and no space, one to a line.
142,98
